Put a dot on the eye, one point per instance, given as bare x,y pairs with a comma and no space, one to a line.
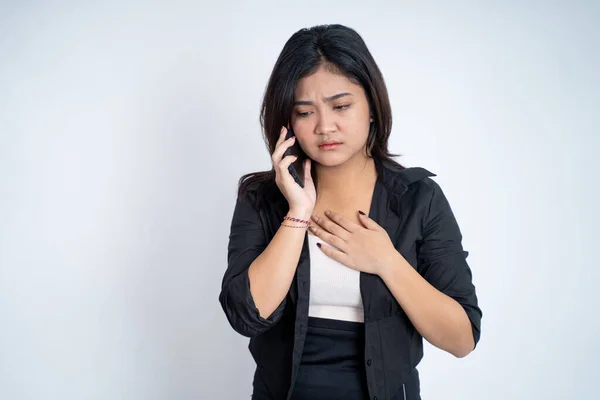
303,114
342,107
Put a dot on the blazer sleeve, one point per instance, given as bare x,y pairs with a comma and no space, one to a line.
247,240
442,260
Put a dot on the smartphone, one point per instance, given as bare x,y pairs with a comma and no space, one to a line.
294,151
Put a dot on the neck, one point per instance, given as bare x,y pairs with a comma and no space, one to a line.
346,180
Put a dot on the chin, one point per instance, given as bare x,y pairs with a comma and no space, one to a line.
331,160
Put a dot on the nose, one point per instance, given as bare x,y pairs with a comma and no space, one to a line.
325,124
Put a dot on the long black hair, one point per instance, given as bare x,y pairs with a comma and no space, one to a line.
342,50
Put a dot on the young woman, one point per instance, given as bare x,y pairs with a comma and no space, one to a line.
336,278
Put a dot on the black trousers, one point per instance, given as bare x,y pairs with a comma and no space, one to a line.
332,365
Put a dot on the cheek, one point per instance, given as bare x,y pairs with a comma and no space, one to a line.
357,127
303,130
358,135
306,143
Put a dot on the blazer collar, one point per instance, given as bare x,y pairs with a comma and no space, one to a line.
397,178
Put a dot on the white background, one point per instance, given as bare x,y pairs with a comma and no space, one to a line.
125,125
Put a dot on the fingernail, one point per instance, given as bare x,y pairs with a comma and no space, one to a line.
361,213
319,245
315,218
327,212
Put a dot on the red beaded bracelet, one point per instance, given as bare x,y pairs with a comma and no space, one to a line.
293,226
296,220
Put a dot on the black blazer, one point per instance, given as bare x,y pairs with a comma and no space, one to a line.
416,215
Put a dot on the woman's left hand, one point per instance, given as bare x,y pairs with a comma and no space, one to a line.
364,247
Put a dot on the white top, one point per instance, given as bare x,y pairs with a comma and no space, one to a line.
334,288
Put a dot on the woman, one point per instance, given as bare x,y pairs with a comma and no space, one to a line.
339,310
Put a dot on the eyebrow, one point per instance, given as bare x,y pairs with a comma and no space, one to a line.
326,99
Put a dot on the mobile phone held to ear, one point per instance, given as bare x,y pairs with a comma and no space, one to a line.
293,151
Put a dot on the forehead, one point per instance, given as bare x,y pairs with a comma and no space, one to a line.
324,83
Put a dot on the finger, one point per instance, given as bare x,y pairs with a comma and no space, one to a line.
336,255
280,150
307,174
342,221
332,227
285,163
329,238
281,136
368,222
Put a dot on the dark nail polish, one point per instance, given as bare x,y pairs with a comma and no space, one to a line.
361,213
319,245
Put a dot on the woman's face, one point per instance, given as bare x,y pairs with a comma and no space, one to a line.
330,118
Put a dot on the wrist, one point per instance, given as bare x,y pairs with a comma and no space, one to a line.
297,218
395,263
301,213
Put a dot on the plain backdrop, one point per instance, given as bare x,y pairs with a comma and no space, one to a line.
124,126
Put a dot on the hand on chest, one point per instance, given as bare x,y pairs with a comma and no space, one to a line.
359,242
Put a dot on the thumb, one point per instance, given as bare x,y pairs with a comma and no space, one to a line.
307,174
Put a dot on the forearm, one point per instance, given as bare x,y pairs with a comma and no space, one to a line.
437,317
272,272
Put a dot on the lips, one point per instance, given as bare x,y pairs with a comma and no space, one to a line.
329,145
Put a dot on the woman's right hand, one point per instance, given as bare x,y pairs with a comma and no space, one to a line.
301,200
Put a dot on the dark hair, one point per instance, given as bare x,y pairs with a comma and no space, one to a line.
342,50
